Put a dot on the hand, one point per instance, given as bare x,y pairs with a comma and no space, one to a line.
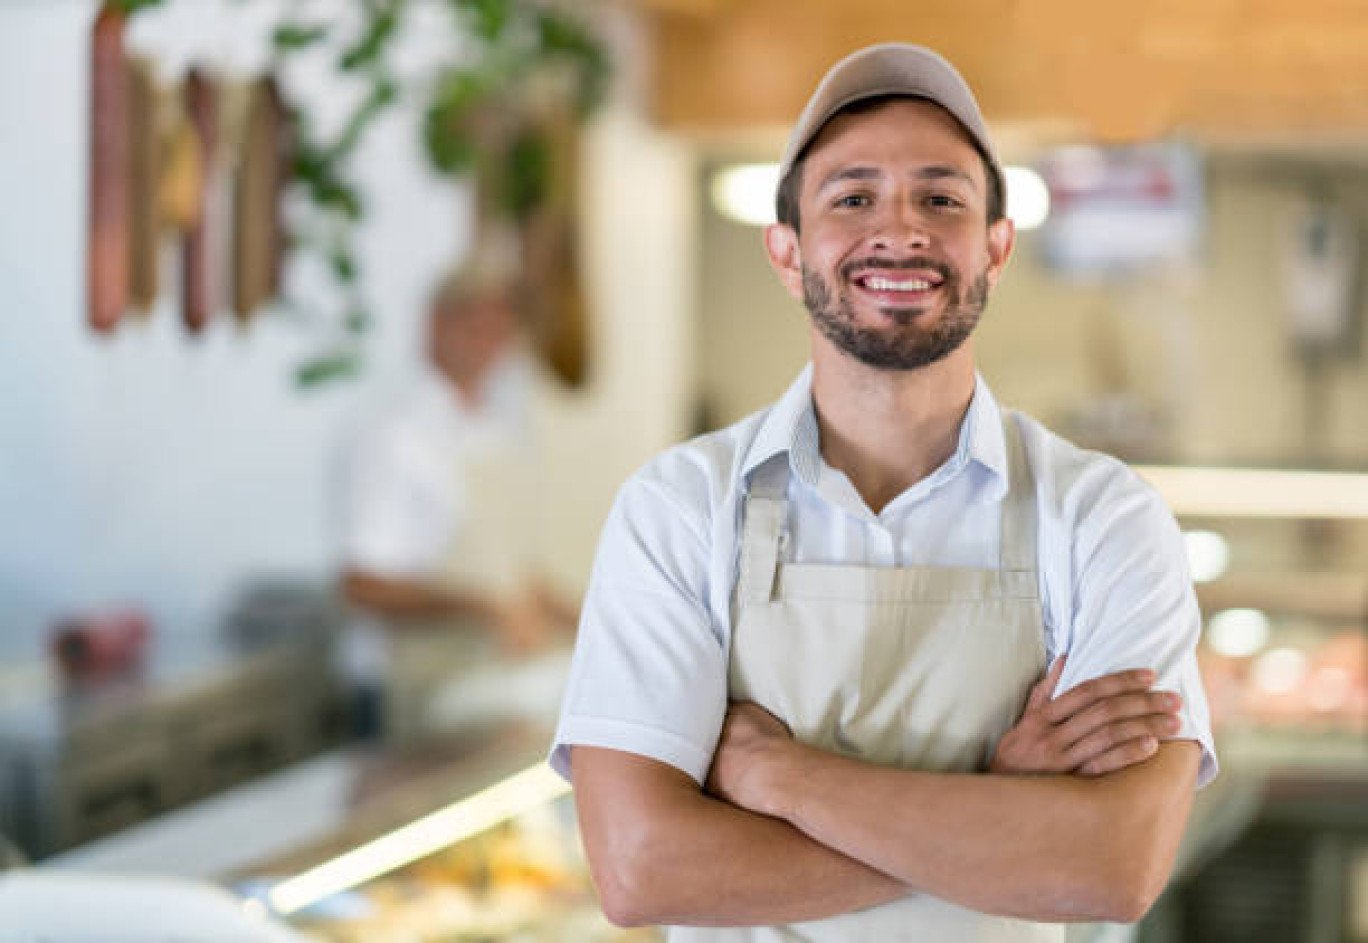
1099,727
750,753
521,624
562,614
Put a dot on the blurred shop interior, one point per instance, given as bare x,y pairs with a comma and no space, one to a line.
200,325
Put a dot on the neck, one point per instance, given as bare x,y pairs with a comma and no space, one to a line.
466,387
888,429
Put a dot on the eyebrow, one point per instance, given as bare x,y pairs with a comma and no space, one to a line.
860,172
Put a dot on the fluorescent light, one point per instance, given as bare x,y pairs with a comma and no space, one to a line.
1028,198
1208,554
1248,492
1238,633
745,193
529,789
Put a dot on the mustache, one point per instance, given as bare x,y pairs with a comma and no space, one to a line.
852,268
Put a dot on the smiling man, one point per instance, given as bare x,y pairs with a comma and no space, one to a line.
885,661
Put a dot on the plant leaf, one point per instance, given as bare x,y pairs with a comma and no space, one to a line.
296,36
326,368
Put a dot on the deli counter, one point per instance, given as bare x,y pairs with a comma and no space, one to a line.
470,837
463,835
474,842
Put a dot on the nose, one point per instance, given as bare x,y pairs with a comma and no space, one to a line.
901,229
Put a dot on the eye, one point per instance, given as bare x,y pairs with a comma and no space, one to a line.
852,201
943,201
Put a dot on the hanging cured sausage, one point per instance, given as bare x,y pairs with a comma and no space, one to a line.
144,173
258,233
107,248
197,268
558,313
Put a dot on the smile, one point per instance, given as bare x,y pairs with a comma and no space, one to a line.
874,283
887,287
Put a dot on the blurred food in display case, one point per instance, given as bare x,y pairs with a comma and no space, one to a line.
525,879
1284,653
1305,677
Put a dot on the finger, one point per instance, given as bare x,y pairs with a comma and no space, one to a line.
1044,689
1087,693
1097,743
1110,710
1120,757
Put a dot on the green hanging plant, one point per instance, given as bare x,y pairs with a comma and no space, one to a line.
516,43
133,6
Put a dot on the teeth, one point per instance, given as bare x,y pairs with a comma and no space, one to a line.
887,284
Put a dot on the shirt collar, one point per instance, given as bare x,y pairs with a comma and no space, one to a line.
790,428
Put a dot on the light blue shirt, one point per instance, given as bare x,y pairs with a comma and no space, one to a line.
650,668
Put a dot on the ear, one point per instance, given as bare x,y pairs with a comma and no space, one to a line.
1001,239
785,257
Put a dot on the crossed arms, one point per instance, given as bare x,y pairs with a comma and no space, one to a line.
1079,818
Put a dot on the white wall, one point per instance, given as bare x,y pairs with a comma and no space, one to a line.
160,469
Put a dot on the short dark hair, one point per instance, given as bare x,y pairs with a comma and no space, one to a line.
791,186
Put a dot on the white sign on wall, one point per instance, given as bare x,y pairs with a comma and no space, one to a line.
1117,211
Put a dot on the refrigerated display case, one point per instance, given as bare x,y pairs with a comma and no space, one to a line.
383,844
522,880
480,847
1281,564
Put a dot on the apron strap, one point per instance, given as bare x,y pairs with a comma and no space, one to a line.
762,523
1017,546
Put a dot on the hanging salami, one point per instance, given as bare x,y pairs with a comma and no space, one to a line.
197,268
144,173
107,246
258,234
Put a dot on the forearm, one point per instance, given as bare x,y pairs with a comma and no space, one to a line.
404,599
557,607
1051,848
676,856
716,865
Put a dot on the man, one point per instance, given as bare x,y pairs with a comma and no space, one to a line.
846,617
439,540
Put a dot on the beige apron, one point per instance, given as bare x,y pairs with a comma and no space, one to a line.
915,667
489,556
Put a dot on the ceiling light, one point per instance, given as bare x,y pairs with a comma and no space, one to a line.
745,193
1028,199
1250,492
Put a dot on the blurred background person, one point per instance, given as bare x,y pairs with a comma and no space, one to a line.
440,528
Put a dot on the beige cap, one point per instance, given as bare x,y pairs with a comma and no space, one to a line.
892,69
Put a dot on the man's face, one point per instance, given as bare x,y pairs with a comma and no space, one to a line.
896,259
469,337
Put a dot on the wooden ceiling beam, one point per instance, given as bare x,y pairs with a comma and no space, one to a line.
689,9
1231,68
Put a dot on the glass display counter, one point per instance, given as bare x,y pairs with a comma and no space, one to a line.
476,842
1281,564
522,880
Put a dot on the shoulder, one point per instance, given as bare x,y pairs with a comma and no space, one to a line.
1079,486
698,477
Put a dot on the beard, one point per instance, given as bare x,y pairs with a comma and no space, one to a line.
907,346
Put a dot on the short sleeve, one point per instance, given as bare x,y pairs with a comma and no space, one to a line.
649,674
1133,601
